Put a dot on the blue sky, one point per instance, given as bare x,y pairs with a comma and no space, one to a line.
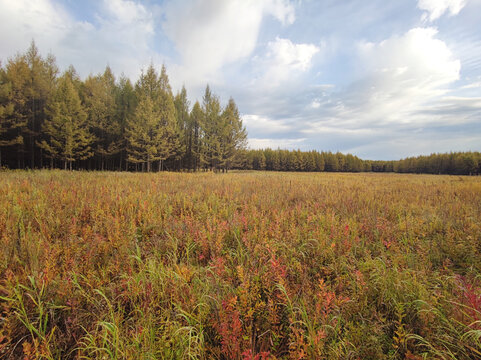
379,79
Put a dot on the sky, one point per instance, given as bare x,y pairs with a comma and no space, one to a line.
378,79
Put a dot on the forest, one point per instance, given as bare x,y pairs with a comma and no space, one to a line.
54,120
454,163
101,123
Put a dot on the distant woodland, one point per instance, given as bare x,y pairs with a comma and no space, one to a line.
457,163
50,119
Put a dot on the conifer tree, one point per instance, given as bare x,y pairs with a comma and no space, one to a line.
185,127
125,104
16,102
196,118
7,121
40,83
212,127
99,100
144,134
172,146
158,90
233,136
67,137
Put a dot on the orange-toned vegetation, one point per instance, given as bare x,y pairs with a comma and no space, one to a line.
239,266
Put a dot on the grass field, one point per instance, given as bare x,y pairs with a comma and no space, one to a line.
239,266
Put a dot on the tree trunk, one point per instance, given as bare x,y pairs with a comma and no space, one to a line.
65,165
32,149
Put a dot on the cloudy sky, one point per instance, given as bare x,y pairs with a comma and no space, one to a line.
379,79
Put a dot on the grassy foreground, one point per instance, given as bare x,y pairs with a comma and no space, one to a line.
239,266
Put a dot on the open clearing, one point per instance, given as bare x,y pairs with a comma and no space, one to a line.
244,265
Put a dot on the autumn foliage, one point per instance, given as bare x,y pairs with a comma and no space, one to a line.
239,266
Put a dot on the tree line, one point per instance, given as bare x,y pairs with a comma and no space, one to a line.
455,163
54,120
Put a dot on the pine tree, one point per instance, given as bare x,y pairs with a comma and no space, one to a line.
185,126
148,85
41,79
212,127
158,90
66,130
172,146
233,135
126,103
144,135
196,118
16,101
7,122
100,104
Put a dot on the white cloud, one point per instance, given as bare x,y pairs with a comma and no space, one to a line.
120,37
264,125
283,53
400,75
285,60
436,8
129,13
209,34
473,85
416,55
21,20
285,143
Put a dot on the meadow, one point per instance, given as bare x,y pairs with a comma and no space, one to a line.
243,265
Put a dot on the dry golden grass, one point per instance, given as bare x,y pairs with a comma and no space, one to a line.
244,265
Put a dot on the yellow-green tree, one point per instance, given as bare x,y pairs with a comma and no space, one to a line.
233,136
145,135
99,93
125,105
152,133
185,128
8,123
196,121
211,153
67,137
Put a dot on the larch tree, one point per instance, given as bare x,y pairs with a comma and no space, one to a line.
185,127
144,135
162,109
16,101
42,74
233,135
171,146
196,121
100,104
8,136
67,137
126,103
212,127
